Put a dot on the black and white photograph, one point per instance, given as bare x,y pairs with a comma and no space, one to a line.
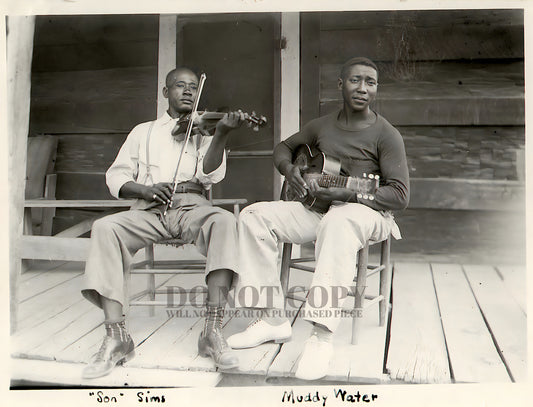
256,202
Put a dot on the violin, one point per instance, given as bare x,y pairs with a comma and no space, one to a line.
207,120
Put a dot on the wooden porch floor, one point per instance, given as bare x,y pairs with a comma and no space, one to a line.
449,323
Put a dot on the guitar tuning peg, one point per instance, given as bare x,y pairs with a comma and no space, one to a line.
371,197
371,176
359,195
377,177
365,196
364,175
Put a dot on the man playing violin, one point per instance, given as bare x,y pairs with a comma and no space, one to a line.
144,170
364,142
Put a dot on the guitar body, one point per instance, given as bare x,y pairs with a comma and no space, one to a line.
314,164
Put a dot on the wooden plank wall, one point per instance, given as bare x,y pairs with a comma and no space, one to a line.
452,82
94,77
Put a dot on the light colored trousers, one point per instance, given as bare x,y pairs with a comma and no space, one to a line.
339,234
116,238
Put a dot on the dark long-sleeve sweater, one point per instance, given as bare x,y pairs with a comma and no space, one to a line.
377,149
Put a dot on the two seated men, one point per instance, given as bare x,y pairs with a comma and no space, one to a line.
244,252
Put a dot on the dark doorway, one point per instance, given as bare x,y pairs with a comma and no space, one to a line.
239,56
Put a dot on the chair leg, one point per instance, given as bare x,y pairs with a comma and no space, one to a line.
285,267
385,278
149,253
127,292
360,288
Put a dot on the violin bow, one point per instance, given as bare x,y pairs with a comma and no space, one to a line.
187,137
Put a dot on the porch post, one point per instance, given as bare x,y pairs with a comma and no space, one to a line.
290,83
166,56
20,31
290,89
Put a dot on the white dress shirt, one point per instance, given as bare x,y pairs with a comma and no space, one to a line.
131,163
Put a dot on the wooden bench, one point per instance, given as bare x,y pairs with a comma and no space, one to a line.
67,245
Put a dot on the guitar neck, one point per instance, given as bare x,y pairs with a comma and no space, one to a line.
332,181
366,185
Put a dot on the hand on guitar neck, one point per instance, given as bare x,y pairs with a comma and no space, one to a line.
328,193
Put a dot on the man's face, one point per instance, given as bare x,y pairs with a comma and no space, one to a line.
359,86
181,91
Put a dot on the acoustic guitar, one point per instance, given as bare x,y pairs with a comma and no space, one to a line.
315,164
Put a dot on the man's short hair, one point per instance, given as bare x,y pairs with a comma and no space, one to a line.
357,61
170,75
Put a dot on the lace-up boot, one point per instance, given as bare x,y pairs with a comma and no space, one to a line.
117,348
212,343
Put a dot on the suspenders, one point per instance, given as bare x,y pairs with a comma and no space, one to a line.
149,177
148,172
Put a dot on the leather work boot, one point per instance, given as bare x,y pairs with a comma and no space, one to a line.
116,349
212,343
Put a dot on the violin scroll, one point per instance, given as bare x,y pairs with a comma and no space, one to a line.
255,121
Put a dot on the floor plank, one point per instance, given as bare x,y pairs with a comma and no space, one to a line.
44,282
351,363
504,317
365,360
82,347
417,351
29,274
253,360
472,353
85,322
69,374
24,343
139,324
59,330
163,342
366,364
164,345
69,330
285,362
258,360
515,280
36,310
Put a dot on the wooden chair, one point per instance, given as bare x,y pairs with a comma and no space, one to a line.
150,266
364,270
40,183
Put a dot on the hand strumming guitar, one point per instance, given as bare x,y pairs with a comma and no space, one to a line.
293,175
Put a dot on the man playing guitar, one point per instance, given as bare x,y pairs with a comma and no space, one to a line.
364,142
